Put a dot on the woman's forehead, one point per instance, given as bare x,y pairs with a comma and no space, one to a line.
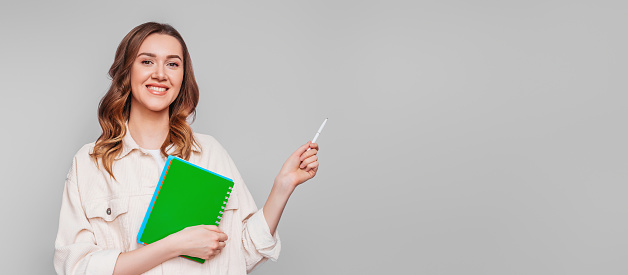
161,45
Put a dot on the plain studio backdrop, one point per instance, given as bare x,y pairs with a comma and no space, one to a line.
464,137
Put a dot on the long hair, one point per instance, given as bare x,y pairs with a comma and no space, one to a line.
115,107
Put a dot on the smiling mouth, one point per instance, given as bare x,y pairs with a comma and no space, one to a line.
156,90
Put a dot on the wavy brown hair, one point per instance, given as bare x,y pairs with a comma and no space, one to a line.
115,107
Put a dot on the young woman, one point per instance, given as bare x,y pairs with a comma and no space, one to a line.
111,182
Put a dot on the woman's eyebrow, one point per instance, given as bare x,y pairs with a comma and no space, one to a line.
168,57
174,56
147,54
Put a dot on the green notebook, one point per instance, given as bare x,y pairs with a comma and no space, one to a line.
186,195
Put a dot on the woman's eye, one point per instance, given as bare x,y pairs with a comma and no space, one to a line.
147,62
173,64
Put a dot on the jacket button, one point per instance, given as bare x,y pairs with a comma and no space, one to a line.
109,211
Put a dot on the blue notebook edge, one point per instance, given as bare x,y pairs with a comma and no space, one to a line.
152,201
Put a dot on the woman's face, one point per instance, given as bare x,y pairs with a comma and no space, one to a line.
157,73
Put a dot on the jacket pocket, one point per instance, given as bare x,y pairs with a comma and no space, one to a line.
108,220
107,210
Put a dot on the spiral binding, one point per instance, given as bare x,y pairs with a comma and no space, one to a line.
224,203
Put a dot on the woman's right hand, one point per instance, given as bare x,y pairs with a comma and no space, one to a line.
201,241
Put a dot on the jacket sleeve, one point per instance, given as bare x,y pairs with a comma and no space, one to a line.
76,251
257,243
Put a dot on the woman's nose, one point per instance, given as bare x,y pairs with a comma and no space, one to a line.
159,73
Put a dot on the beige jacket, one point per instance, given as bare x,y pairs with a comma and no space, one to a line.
100,217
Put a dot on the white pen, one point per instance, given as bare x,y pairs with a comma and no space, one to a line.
318,133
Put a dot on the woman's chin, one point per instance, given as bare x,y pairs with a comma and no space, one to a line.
156,108
159,109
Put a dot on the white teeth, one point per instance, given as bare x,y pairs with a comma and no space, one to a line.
157,89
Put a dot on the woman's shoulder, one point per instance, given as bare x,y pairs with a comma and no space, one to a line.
85,150
209,143
83,154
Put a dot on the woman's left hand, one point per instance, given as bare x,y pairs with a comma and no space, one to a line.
300,166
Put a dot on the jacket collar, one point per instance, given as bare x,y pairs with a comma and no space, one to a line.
128,145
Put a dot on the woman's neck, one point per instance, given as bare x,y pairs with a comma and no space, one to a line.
147,128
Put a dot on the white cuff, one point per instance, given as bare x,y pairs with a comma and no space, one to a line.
102,262
267,245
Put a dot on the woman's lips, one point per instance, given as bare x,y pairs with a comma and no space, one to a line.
157,90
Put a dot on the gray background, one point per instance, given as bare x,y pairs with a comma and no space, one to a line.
465,137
